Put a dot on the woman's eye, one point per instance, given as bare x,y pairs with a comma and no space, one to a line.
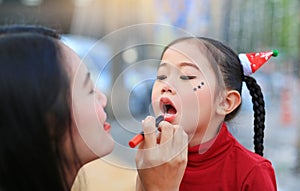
92,91
187,77
161,77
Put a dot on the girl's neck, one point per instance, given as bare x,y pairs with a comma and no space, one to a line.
205,134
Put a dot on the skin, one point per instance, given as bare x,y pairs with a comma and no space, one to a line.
91,133
161,159
167,150
93,140
199,112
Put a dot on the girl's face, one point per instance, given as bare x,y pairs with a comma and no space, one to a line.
185,91
91,132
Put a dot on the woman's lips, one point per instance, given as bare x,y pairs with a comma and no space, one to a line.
106,127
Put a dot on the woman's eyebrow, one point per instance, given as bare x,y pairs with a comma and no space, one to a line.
87,78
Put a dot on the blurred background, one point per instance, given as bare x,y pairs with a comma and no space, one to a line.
121,47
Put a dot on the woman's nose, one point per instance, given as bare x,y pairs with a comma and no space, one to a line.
101,98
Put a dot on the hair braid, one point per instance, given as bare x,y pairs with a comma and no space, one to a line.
259,113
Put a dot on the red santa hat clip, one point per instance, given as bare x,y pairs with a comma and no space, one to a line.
252,61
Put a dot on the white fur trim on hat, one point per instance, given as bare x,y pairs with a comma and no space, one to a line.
246,64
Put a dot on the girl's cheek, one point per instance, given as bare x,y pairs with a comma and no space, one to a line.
155,94
155,103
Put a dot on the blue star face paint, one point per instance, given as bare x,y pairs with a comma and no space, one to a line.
199,86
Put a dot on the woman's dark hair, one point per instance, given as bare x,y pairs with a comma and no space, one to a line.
225,61
35,113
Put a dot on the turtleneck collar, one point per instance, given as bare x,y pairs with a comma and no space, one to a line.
211,150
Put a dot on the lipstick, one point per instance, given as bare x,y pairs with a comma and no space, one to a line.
140,137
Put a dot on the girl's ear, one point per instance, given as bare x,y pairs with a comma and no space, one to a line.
231,101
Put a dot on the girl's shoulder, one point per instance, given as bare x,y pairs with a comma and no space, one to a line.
247,158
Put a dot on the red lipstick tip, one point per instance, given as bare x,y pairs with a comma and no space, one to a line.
140,137
136,140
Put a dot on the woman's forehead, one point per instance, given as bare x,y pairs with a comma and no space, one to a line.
70,59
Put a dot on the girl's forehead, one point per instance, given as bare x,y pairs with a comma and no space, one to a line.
192,52
186,51
181,46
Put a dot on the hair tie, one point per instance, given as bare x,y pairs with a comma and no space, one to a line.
251,62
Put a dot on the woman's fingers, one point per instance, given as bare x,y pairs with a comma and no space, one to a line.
158,148
149,132
147,153
180,142
167,131
166,140
157,161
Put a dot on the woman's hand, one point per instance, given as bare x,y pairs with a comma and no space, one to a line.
161,159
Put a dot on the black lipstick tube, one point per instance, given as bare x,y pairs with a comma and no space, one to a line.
140,137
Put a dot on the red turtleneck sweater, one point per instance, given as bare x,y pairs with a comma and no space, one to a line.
224,164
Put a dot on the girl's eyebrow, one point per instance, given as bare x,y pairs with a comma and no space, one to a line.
87,77
163,64
182,64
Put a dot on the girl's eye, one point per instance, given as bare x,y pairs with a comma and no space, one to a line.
187,77
161,77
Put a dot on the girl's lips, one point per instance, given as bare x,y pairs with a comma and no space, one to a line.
169,117
168,109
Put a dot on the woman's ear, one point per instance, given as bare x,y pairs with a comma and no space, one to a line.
231,101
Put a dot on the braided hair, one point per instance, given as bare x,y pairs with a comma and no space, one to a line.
229,71
259,113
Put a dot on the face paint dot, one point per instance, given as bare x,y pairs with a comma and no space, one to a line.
202,83
199,86
195,89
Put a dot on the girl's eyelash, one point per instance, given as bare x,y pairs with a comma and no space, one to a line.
187,77
161,77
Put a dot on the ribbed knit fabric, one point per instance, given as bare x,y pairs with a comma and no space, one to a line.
224,164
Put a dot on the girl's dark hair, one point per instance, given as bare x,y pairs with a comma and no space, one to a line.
35,113
225,61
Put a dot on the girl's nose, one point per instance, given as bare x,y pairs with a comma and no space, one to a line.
167,89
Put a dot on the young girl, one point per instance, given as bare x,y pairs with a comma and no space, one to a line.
52,119
198,86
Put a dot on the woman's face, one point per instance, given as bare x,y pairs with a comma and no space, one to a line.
185,90
91,132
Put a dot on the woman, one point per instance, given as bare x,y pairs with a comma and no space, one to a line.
52,117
